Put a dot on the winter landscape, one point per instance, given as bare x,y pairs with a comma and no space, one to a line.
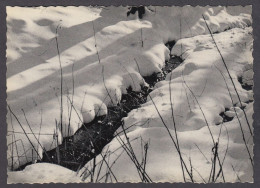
129,94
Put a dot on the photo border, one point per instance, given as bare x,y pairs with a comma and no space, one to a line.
3,127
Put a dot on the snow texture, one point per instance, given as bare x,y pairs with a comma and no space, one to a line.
99,48
44,173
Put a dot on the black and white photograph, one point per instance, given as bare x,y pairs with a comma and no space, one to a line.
110,94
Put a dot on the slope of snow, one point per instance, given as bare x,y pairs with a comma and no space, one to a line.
33,66
201,72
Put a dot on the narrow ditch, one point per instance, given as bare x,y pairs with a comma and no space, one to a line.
88,142
91,138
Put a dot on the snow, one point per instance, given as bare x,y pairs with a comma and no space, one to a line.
163,162
200,58
91,85
230,113
43,173
203,78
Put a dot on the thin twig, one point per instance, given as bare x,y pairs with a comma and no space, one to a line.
61,79
35,136
105,85
96,41
72,98
239,122
235,172
206,121
175,144
201,152
23,131
15,139
175,129
234,86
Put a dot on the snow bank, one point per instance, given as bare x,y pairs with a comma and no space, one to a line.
200,74
89,85
43,173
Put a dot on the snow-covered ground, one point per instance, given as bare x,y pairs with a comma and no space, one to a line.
44,173
196,92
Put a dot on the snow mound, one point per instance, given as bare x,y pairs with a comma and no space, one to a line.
98,53
43,173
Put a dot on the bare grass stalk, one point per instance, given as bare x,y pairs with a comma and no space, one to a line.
61,78
215,144
95,41
24,131
239,122
57,144
175,129
71,106
175,144
35,136
233,84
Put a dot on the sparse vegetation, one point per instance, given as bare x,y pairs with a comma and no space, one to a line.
90,143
